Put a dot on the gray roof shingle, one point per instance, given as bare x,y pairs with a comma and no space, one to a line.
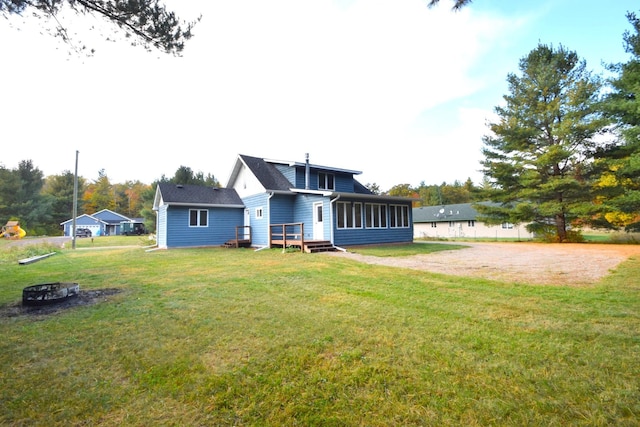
198,195
268,175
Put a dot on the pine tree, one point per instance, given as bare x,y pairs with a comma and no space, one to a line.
145,22
538,151
618,166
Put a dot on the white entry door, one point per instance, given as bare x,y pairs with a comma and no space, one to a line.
247,222
318,224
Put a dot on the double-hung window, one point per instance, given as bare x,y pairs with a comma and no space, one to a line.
198,217
326,181
399,216
375,215
349,215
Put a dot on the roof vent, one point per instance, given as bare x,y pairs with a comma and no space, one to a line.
179,186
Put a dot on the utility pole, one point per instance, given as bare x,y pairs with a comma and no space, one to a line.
75,204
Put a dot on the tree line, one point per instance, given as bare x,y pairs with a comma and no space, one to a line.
41,203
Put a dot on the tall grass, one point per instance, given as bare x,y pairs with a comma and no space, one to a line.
236,337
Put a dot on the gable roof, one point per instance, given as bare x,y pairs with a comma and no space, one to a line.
97,220
266,173
196,195
110,216
441,213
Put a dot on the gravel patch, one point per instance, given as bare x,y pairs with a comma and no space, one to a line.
533,263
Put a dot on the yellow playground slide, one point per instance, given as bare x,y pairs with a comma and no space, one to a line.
12,230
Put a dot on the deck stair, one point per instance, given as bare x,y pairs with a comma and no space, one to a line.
314,246
242,240
234,243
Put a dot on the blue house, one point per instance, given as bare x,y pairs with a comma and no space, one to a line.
280,203
102,223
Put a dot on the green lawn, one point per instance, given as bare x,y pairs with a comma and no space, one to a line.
237,337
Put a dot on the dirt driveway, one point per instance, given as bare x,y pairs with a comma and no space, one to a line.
59,241
535,263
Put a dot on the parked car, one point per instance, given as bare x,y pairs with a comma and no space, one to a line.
83,232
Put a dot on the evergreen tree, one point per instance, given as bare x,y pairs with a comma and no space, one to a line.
457,4
618,165
185,175
60,189
21,198
539,149
146,22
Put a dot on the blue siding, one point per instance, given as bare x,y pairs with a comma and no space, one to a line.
343,182
282,209
304,213
289,173
109,216
221,227
259,227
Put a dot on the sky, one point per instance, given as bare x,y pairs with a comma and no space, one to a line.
392,88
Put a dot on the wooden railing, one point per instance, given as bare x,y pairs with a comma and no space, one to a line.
243,232
287,235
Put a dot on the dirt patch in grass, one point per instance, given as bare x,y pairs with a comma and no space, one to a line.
89,297
534,263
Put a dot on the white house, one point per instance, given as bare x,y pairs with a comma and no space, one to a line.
460,221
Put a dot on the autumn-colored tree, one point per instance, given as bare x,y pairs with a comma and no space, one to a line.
617,166
99,195
129,198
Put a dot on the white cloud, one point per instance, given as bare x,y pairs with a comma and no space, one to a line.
346,82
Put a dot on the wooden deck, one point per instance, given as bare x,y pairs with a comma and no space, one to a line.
281,236
292,235
308,246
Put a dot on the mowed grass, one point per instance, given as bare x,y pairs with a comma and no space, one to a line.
405,249
236,337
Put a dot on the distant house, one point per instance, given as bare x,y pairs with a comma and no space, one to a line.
271,203
460,220
102,223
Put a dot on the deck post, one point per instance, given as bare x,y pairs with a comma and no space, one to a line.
302,237
284,238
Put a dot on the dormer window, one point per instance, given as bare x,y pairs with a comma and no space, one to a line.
325,181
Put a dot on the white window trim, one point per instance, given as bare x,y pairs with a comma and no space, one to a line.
379,207
400,219
259,212
325,181
199,218
354,217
